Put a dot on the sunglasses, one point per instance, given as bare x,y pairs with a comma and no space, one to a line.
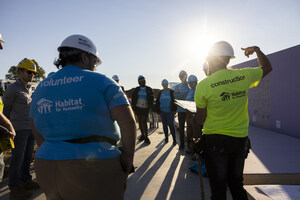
29,72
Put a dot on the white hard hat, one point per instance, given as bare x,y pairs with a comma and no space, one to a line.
182,72
165,81
1,40
80,42
115,77
192,78
221,48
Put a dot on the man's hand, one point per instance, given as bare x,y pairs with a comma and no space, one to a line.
127,162
262,59
250,50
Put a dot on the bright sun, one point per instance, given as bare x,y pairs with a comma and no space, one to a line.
200,46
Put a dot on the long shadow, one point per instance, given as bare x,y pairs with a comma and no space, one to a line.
151,130
140,179
185,182
165,187
145,145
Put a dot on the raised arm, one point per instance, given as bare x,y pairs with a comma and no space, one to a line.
263,61
124,116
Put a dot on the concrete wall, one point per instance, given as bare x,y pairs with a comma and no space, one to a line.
275,103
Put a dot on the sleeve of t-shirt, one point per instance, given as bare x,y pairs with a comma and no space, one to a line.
114,95
200,99
254,75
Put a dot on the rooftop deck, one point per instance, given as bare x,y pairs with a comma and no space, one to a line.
162,170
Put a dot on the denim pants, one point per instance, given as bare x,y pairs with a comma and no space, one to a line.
19,170
224,160
167,119
181,121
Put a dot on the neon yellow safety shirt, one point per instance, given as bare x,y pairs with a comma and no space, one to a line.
225,95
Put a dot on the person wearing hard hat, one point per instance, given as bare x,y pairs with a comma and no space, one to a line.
142,101
180,92
78,116
116,78
192,81
222,106
1,41
16,101
166,107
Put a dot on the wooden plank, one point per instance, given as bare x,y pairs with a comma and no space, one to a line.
187,105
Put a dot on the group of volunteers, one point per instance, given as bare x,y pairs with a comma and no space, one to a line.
79,118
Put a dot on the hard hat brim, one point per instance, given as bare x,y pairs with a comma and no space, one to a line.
34,71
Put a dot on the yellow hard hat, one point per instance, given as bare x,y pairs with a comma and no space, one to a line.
28,65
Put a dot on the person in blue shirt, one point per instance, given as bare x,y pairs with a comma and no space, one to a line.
180,92
165,106
192,81
142,101
78,116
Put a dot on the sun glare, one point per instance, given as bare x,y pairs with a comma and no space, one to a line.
200,46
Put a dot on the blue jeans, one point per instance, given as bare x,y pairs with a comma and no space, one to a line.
19,170
167,119
224,160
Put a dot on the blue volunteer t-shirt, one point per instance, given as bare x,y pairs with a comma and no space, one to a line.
142,98
180,92
190,96
76,103
165,101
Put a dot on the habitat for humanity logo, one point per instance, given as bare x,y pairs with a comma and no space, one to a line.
44,105
68,104
227,96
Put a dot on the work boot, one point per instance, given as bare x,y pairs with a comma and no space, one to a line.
19,194
141,138
166,140
147,141
30,185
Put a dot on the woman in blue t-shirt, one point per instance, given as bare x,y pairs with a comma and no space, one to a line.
166,108
77,116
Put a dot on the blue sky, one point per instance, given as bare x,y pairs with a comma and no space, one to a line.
155,38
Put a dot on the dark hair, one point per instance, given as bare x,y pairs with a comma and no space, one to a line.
67,54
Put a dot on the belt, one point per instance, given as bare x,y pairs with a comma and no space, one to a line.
94,138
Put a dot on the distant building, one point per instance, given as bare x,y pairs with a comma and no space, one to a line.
275,103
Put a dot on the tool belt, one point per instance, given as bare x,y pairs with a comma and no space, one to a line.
94,138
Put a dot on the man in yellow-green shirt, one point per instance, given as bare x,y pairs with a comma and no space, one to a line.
222,108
